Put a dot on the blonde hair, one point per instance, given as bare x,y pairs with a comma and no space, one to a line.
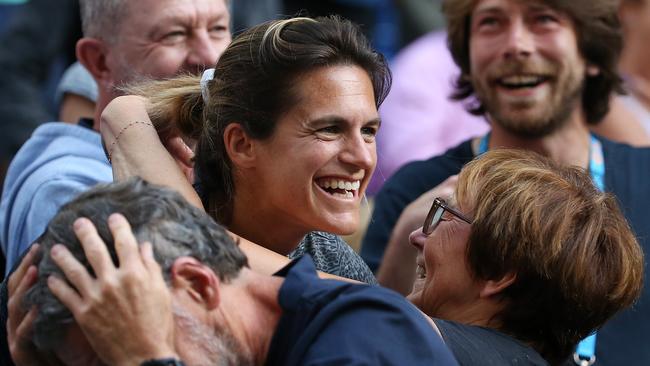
175,103
576,259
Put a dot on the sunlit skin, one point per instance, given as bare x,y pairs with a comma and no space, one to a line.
525,65
328,135
169,37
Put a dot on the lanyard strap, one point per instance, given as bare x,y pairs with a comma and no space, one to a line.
597,163
585,353
596,159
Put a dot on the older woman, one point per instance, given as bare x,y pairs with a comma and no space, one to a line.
284,132
526,253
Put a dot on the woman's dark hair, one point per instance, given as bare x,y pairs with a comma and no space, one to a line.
253,85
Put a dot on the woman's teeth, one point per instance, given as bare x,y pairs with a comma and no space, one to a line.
339,187
340,184
420,272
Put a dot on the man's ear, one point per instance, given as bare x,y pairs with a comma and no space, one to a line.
199,281
495,287
239,146
91,53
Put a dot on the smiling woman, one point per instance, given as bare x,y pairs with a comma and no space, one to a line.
527,254
284,135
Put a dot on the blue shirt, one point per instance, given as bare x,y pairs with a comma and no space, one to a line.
328,322
58,162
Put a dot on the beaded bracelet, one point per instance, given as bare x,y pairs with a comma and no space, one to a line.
110,148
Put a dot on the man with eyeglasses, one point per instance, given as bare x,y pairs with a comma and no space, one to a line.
540,72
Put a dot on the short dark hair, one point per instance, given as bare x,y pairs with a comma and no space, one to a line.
600,42
156,214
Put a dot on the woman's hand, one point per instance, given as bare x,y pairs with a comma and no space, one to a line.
125,312
183,155
135,149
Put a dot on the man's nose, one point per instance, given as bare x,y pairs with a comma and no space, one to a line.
203,51
520,42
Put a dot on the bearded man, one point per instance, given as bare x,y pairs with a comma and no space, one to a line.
540,72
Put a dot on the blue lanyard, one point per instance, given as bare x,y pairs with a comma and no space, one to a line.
596,159
585,353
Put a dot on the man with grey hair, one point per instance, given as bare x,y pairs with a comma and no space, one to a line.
124,41
201,304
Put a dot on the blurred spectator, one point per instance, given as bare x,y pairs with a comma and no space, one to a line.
377,18
41,35
635,18
76,94
418,17
247,13
418,119
7,8
629,120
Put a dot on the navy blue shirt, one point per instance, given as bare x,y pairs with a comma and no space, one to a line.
473,345
328,322
622,340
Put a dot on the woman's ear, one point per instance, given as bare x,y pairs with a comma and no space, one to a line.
495,287
198,281
239,146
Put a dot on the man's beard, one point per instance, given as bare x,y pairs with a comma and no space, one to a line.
217,347
565,93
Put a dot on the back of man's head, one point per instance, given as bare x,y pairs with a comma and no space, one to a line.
158,215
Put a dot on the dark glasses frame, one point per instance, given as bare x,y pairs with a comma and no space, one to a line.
438,209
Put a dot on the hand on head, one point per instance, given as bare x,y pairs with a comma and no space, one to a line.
20,321
125,311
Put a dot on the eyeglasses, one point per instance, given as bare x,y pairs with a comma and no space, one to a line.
438,209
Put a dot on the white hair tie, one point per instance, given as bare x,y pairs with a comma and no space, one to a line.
207,76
